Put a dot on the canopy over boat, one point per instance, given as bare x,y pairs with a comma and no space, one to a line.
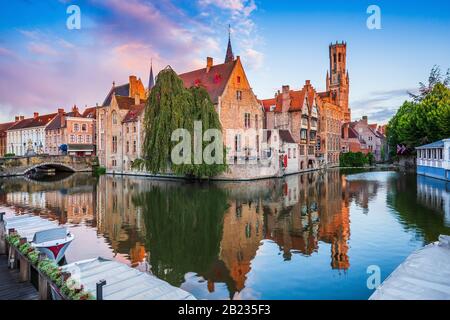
44,235
424,275
122,281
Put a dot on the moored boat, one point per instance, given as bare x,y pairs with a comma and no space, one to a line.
47,236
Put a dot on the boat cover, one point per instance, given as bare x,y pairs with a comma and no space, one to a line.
27,225
122,281
50,235
424,275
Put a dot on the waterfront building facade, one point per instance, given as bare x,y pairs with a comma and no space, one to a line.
70,133
433,160
110,115
27,136
3,136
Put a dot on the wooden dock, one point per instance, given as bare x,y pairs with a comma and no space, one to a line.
10,286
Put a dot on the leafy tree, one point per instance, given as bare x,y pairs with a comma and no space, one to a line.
426,118
434,78
170,106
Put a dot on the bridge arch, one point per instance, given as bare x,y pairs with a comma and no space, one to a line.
57,166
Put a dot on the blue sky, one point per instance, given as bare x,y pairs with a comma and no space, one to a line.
44,66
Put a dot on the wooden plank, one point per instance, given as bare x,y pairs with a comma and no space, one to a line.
10,286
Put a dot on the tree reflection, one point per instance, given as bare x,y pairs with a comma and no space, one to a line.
184,228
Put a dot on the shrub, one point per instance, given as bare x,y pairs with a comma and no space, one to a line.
9,155
99,171
353,159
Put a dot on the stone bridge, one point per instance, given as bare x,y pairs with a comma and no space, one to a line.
17,166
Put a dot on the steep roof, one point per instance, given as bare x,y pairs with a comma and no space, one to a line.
122,90
214,81
5,126
134,113
126,102
90,113
33,122
268,104
285,136
56,123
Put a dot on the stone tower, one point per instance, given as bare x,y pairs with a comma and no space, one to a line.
338,81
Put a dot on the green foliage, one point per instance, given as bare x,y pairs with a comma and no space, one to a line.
13,239
99,171
355,159
169,107
9,155
195,216
422,121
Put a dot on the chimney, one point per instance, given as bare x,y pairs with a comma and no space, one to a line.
60,111
365,120
285,89
17,118
137,99
21,118
74,108
209,63
308,82
36,115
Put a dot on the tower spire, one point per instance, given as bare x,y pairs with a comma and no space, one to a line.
151,80
229,56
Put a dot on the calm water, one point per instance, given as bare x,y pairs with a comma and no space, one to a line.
309,236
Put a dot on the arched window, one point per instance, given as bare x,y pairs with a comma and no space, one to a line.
114,117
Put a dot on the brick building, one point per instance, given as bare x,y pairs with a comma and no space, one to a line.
111,142
3,136
234,101
70,133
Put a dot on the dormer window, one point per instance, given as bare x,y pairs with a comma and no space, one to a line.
238,95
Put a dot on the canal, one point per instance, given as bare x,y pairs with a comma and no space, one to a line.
309,236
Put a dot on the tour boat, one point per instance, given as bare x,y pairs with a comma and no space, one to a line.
47,236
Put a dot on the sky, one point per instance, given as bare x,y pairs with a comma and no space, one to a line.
44,65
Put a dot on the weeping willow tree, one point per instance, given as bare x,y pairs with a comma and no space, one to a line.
170,106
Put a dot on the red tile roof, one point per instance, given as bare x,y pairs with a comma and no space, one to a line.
5,126
134,113
297,98
33,122
268,103
213,81
90,112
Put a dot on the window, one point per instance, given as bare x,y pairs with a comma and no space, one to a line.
128,129
289,153
370,138
310,150
238,95
247,120
312,135
237,143
76,127
238,79
114,117
303,134
84,127
114,144
114,163
302,150
134,146
80,139
128,146
339,57
72,138
295,153
88,139
256,122
134,129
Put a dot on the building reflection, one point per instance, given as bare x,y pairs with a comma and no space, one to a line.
211,232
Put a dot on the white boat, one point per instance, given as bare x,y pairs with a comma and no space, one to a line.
46,236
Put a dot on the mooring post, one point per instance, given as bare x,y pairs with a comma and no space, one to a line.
43,283
99,292
2,234
11,251
24,264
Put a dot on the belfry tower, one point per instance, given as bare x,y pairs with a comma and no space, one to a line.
338,81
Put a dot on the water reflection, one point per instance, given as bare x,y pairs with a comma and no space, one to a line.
231,240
